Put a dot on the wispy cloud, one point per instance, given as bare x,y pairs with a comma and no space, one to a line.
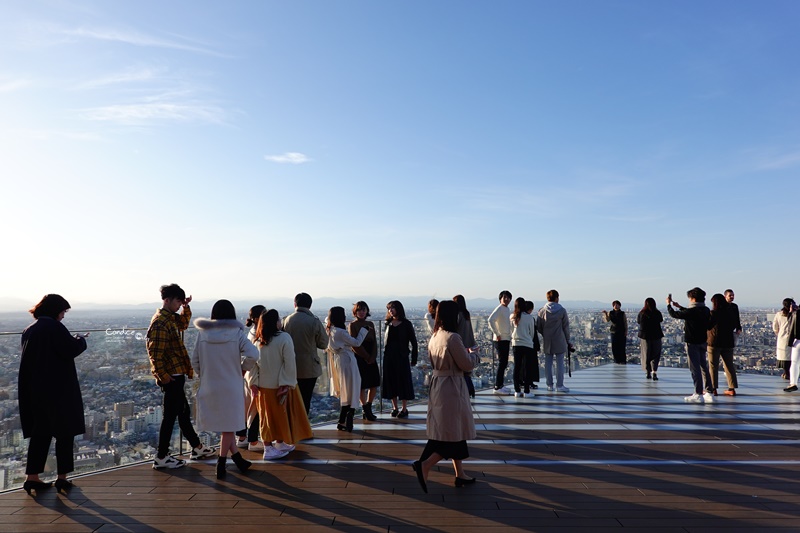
129,75
135,38
145,112
295,158
8,86
780,162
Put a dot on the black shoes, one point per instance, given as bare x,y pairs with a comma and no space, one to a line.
241,463
348,422
403,414
367,414
655,377
221,466
790,389
62,485
37,486
460,481
649,376
417,466
394,413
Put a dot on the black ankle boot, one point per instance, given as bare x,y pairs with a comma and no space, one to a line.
241,463
348,424
221,467
367,412
343,418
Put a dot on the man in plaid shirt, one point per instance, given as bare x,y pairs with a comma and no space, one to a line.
170,364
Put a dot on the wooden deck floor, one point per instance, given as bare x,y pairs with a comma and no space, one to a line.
617,453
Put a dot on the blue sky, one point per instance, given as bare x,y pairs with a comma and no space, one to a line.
609,149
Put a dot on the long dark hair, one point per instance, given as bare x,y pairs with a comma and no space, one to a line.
649,306
519,308
787,306
446,317
718,301
336,317
462,305
401,312
267,326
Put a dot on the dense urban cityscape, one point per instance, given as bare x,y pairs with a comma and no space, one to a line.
123,404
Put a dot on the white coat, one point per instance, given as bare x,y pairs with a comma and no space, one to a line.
221,353
345,378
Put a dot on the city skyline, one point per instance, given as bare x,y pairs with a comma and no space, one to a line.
610,150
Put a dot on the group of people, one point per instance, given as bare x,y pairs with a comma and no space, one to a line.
710,335
520,330
257,378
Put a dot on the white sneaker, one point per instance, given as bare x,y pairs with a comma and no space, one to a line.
241,443
270,453
167,462
283,447
708,397
550,388
202,451
694,398
562,389
257,447
503,391
528,395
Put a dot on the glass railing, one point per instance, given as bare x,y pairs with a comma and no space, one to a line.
123,405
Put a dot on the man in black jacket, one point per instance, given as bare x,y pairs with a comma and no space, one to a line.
695,334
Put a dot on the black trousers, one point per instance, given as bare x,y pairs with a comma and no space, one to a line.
38,447
252,433
503,349
306,386
618,349
175,406
526,368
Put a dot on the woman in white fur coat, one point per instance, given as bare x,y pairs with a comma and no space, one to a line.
220,356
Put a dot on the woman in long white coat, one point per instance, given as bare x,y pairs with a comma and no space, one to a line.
345,377
222,352
450,421
780,325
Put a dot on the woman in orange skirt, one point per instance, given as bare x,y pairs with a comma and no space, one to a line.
280,406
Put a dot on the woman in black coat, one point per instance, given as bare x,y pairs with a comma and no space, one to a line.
650,335
50,402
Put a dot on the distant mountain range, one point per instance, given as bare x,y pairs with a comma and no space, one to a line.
376,303
320,305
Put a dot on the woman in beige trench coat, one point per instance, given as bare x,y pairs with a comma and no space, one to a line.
450,421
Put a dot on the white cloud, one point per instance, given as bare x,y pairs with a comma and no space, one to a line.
7,86
139,113
135,38
295,158
129,75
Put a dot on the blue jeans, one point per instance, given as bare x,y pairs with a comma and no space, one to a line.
548,369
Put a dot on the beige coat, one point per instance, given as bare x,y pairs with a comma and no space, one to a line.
449,412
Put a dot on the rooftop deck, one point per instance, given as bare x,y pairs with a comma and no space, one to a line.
616,452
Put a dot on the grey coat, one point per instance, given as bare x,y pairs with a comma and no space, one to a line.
553,324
